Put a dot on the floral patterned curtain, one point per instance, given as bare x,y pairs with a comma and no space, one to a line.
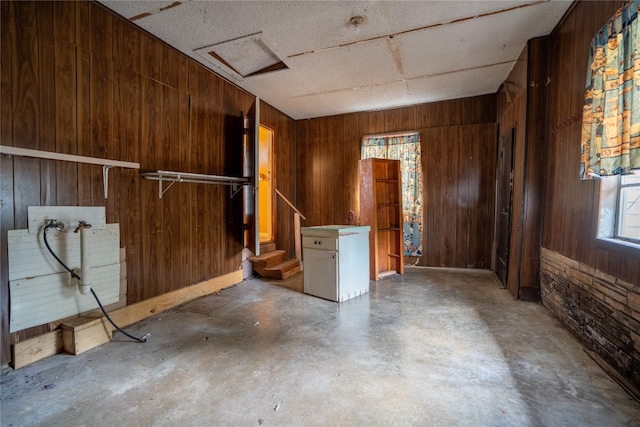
611,112
405,148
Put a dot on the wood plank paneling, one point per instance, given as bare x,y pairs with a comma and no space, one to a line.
65,102
577,271
512,108
523,103
571,205
329,148
433,172
449,188
78,79
6,223
47,114
24,74
6,168
151,207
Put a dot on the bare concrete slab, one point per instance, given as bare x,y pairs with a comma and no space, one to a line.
434,347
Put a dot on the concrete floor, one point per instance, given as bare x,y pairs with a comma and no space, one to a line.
434,347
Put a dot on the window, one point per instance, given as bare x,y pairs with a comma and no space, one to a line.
619,217
610,141
628,212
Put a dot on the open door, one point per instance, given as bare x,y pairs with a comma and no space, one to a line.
265,184
250,141
505,194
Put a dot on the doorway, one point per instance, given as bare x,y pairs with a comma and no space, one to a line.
265,185
505,194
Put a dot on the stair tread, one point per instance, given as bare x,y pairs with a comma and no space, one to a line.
266,256
291,272
290,263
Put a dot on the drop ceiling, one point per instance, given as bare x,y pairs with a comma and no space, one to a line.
311,59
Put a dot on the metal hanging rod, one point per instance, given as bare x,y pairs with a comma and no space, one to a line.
234,183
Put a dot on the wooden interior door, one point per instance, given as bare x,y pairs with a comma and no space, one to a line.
505,197
251,150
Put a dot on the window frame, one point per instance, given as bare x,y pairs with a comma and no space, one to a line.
620,209
607,236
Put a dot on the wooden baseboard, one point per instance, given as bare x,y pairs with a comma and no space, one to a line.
136,312
37,348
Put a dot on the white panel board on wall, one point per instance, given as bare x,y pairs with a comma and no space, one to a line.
43,299
29,257
70,216
42,291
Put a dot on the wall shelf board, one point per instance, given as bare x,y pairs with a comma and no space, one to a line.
49,155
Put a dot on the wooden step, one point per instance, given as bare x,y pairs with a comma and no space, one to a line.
267,247
283,270
267,259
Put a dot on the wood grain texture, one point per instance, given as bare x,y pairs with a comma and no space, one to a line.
380,199
24,74
77,79
571,205
328,149
522,105
512,113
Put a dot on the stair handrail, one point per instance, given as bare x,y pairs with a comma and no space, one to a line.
296,225
289,203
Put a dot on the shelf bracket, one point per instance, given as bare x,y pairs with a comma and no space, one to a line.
162,191
50,155
234,188
105,179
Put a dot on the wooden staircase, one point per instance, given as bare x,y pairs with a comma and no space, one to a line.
273,264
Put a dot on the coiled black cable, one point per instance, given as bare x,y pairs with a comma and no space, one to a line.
75,275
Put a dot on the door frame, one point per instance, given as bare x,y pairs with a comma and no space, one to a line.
250,171
509,138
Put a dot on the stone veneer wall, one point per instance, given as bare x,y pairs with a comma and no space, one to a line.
600,309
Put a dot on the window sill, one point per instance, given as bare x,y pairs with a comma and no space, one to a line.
620,246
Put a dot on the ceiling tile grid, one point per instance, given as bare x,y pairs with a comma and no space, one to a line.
399,53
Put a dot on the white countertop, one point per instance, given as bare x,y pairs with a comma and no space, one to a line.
334,230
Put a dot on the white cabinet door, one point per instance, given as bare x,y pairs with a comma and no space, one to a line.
320,274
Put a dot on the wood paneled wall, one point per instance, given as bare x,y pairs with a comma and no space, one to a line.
512,113
522,104
459,195
78,79
591,286
571,205
458,152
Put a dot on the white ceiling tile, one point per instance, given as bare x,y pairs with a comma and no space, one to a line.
403,49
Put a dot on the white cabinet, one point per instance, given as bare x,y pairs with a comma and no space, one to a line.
336,261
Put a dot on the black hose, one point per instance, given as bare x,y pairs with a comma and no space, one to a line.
46,243
74,274
143,339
